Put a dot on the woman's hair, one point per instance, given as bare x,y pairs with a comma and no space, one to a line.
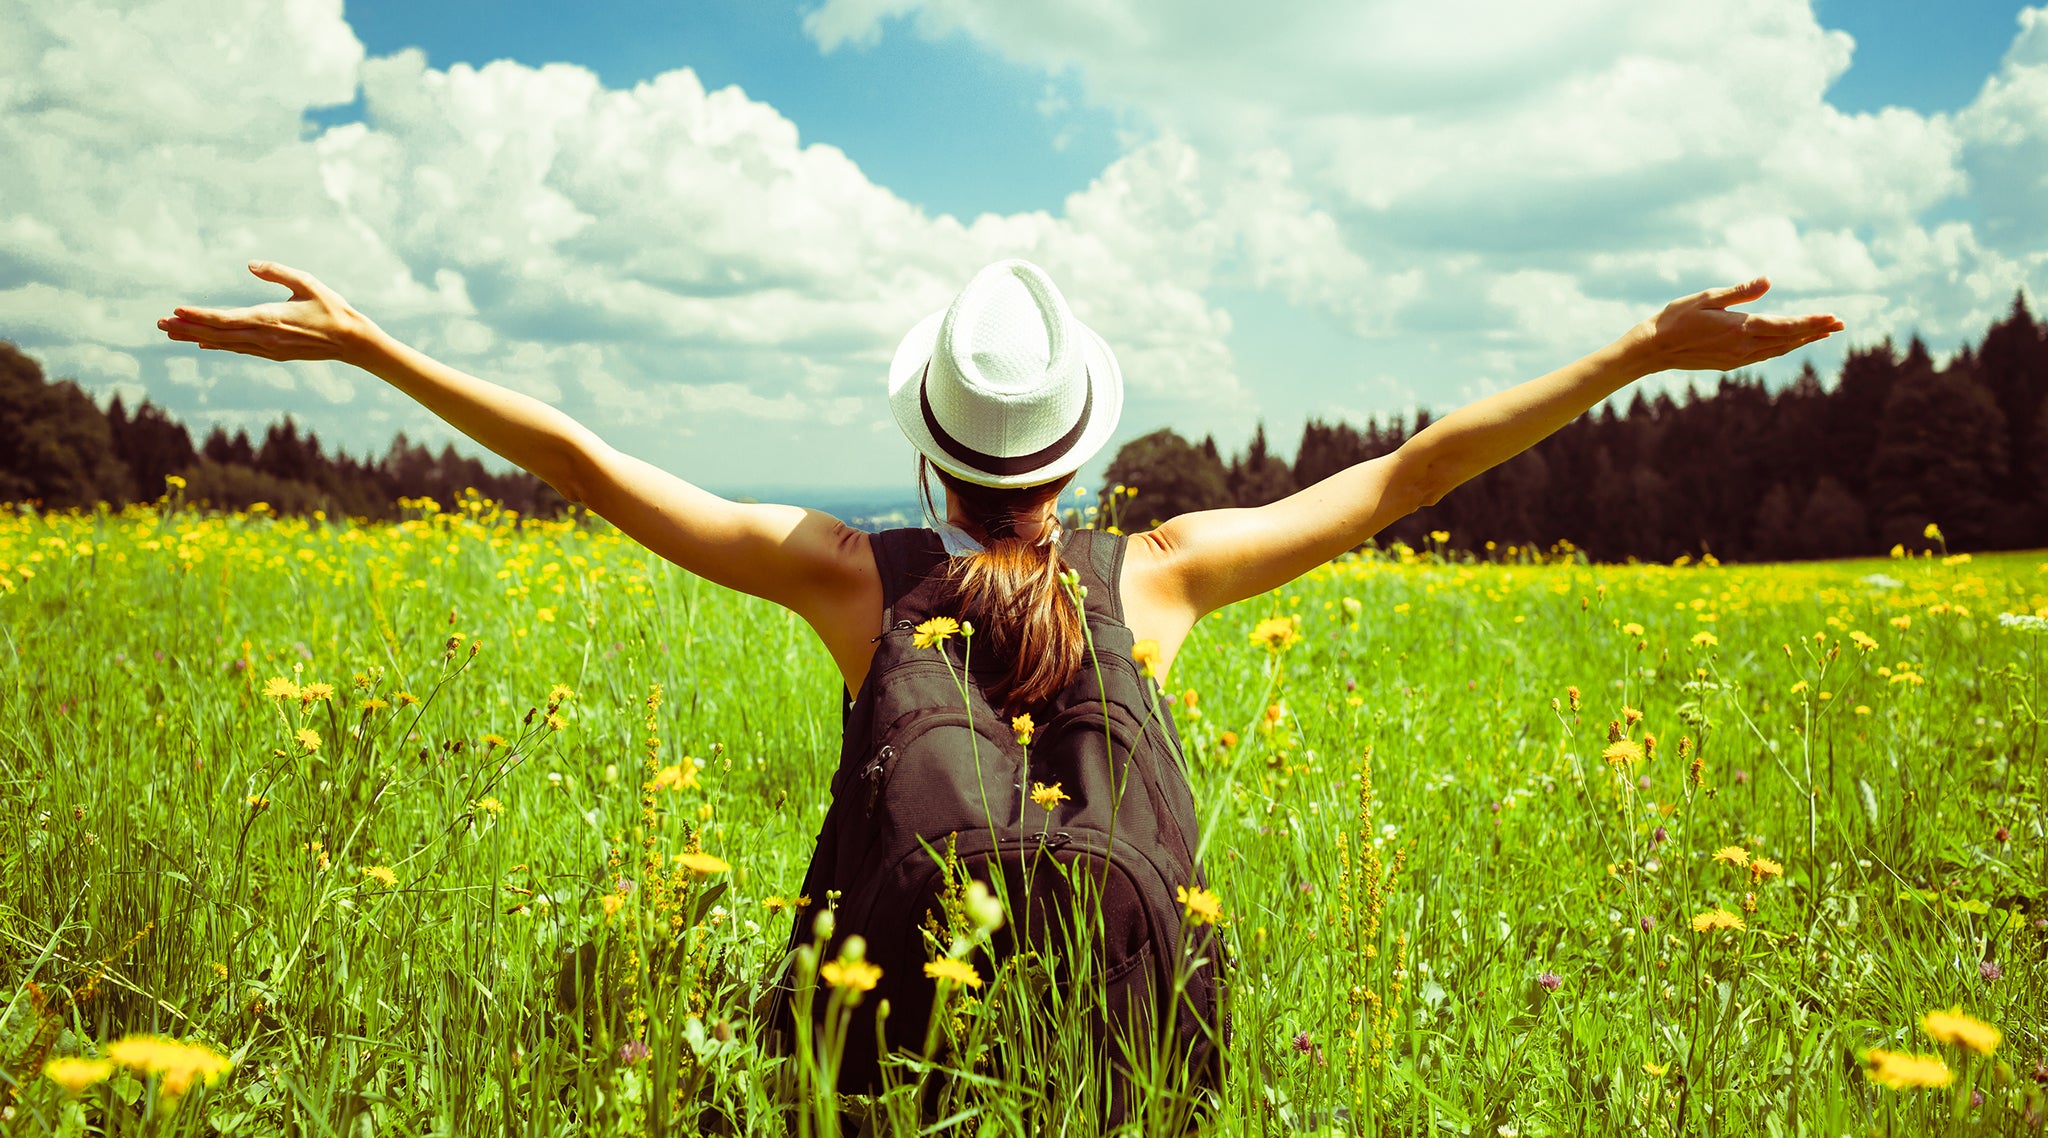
1024,619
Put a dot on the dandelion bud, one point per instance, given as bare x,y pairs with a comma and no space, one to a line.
475,646
823,926
530,713
1573,694
1649,746
1614,732
854,947
983,908
1749,902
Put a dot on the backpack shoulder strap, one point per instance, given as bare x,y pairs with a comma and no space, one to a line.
1098,556
904,558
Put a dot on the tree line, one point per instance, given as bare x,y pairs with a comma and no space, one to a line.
1812,470
58,448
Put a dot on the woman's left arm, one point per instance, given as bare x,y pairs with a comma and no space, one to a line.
1202,561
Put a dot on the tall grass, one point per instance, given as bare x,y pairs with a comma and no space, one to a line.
1455,903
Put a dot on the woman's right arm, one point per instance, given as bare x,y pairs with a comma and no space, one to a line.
802,559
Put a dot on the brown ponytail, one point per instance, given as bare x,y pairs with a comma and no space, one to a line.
1026,628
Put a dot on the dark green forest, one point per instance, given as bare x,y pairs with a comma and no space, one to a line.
1815,469
1818,468
58,449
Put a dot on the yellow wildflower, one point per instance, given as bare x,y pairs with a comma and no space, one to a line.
1631,629
1898,1070
315,692
382,875
277,687
545,616
1023,726
1763,868
956,971
1932,532
1201,906
374,704
611,902
1717,919
1656,1070
1705,639
1623,753
1277,632
1145,653
855,975
178,1064
490,806
675,776
1732,855
74,1075
1047,796
560,693
1953,1026
174,481
555,722
1863,641
935,631
309,739
702,863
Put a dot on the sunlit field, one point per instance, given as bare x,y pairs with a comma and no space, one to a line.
470,825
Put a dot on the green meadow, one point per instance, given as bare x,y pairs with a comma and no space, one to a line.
469,824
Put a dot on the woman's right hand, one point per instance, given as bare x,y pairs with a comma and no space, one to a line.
314,324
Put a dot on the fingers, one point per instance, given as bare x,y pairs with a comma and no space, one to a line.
301,284
1735,294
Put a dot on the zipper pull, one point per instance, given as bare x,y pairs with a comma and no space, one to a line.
899,626
872,773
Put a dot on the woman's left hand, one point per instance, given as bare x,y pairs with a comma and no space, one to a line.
1700,333
314,324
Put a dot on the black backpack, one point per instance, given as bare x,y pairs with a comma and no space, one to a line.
907,788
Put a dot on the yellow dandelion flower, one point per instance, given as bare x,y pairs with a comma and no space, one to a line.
277,687
1656,1070
702,864
611,902
560,693
1023,726
1145,653
490,806
1631,630
373,704
492,739
956,971
1863,640
1732,855
177,1064
1277,632
1047,796
1623,753
1956,1027
1705,639
1717,919
315,692
545,616
555,722
853,975
1763,868
1932,532
405,699
308,738
1898,1070
174,481
675,776
1201,906
382,875
935,632
74,1075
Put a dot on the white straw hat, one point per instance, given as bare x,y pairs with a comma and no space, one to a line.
1005,387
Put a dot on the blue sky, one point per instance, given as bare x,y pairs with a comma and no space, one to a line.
700,227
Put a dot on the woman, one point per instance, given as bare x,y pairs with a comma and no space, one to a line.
1005,395
1015,406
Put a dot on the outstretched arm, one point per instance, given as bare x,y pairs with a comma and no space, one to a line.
799,558
1209,559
